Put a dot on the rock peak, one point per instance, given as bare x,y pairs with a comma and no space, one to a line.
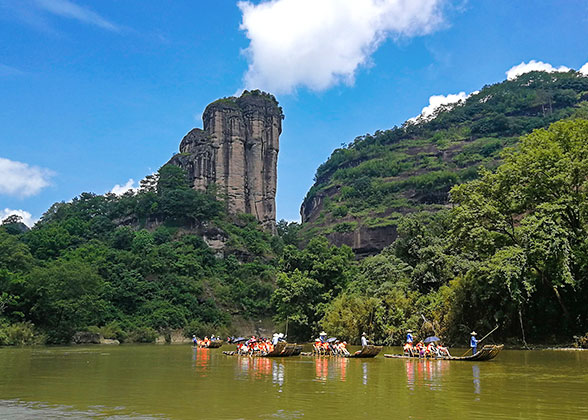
238,151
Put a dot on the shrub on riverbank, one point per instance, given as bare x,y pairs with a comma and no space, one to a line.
581,342
142,335
18,334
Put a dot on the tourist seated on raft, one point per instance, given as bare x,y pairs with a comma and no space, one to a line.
430,350
204,343
442,351
321,347
408,349
339,348
420,349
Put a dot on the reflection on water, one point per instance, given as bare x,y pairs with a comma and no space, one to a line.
253,367
425,372
476,372
201,359
365,373
260,368
327,368
277,373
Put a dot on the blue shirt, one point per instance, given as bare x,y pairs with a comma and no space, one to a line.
473,342
409,338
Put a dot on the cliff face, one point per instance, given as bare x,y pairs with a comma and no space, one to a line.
238,151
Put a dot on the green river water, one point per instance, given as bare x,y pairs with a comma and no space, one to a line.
179,382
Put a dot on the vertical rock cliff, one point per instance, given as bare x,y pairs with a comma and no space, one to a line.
238,151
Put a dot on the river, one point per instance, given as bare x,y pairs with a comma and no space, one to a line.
178,382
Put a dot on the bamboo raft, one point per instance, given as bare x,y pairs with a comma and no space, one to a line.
291,350
280,350
215,344
368,351
488,352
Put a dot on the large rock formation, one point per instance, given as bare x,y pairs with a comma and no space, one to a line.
238,151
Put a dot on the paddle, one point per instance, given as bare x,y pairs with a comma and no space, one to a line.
479,341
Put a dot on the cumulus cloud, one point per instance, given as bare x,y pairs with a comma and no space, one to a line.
27,218
22,180
436,102
584,69
68,9
121,189
533,65
320,43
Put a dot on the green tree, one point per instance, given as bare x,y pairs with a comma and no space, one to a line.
526,225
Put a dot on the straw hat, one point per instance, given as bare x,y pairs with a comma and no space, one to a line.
364,334
323,333
408,331
473,333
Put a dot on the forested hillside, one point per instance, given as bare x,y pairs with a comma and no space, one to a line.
362,191
134,266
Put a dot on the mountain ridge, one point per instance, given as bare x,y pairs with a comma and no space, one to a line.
363,189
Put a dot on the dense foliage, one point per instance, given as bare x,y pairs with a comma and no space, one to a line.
134,265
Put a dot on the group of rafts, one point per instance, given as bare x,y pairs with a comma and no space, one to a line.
277,347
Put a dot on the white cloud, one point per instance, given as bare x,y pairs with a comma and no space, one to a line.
27,218
533,65
436,102
22,180
319,43
68,9
584,69
121,189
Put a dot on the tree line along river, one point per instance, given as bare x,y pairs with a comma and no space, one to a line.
180,382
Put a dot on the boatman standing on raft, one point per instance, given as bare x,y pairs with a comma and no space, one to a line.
409,337
364,340
474,342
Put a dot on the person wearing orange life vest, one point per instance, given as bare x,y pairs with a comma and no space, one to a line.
420,348
443,351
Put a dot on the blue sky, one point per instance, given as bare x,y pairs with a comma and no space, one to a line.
95,93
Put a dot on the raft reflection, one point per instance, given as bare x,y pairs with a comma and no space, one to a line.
331,368
258,368
425,373
201,360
